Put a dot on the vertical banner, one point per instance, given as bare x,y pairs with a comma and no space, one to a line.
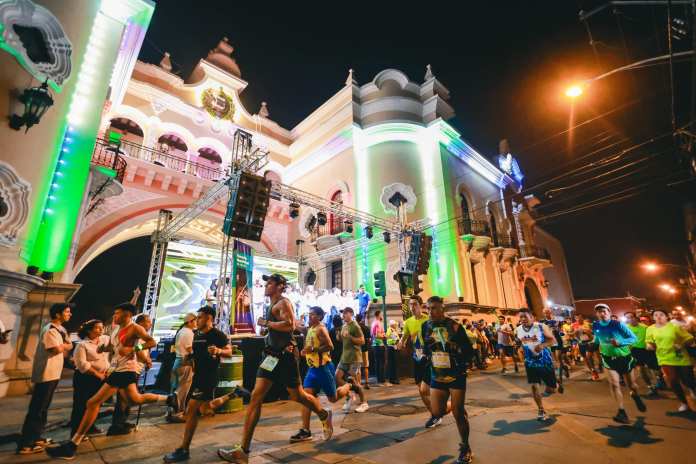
241,315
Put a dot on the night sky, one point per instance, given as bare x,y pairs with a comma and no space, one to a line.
506,65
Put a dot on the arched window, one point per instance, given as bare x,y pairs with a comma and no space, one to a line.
335,222
466,217
494,229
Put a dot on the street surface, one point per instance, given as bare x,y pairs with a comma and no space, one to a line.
503,420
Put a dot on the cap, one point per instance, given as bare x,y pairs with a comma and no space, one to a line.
317,310
349,309
277,278
602,306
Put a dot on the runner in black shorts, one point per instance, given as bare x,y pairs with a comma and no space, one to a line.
449,351
279,366
646,360
209,345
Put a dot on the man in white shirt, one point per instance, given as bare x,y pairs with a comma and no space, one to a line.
182,371
54,344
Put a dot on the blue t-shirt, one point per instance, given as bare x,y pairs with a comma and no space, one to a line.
605,331
363,301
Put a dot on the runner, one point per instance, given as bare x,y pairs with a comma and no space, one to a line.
555,326
121,375
615,340
669,341
279,366
586,344
646,359
448,351
209,345
506,343
352,338
320,375
536,339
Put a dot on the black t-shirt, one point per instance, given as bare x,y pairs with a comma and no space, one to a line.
368,338
204,362
446,338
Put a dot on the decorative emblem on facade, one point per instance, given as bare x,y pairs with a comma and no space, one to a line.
405,191
218,104
36,39
14,204
508,164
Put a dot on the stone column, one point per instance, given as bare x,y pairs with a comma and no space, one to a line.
34,313
14,288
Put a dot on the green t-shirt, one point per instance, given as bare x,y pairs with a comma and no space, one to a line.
351,352
639,331
664,339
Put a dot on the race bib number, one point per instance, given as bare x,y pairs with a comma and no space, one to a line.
269,363
441,360
418,354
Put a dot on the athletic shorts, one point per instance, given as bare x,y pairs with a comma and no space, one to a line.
619,364
203,387
545,375
350,368
508,350
321,378
645,357
122,379
285,372
457,384
587,347
421,371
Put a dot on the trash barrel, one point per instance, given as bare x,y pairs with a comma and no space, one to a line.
230,376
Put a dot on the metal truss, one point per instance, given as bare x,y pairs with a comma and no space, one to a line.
154,274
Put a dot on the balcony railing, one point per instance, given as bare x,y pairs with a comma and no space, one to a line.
530,251
502,240
107,156
468,226
168,160
337,227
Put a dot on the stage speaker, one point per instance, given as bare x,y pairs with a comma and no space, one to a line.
247,208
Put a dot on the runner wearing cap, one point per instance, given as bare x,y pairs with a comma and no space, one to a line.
279,366
320,375
352,338
615,340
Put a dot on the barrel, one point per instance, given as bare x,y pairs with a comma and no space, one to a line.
230,376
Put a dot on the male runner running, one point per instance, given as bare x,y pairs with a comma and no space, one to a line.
209,345
321,373
448,351
555,326
615,340
646,360
586,343
506,343
122,375
352,339
279,366
536,339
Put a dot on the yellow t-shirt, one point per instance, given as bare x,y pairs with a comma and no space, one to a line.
412,329
315,359
664,339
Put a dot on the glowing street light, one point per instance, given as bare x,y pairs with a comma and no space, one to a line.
668,288
574,91
651,267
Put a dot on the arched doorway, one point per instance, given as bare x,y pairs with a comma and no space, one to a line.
335,222
533,297
465,221
209,164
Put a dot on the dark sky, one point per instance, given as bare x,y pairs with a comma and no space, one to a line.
505,64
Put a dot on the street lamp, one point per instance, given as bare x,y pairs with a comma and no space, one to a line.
668,288
574,91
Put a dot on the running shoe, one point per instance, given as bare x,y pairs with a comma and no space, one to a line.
388,384
66,451
302,435
172,402
621,417
327,425
639,402
652,392
433,422
44,441
178,455
561,390
239,392
683,407
346,405
465,455
175,419
542,416
236,455
595,376
503,371
363,407
33,449
566,371
517,369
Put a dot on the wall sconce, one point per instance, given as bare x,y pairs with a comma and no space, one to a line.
36,101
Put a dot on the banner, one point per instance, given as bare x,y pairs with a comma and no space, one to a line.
241,315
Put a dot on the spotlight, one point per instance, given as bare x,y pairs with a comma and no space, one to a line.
368,232
321,218
294,210
349,226
311,222
387,237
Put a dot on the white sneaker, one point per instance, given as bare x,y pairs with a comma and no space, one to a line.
683,407
346,405
363,407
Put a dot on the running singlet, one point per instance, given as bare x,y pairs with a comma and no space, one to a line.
122,363
276,340
448,349
413,329
531,338
315,359
606,331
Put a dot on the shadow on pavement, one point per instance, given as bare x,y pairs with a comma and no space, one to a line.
442,459
523,427
624,436
690,415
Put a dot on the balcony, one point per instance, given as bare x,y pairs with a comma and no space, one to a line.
160,158
330,234
530,251
107,156
471,227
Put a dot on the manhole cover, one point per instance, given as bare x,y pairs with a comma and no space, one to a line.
491,403
398,410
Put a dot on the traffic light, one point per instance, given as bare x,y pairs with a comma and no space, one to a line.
424,255
405,280
414,252
380,284
417,284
